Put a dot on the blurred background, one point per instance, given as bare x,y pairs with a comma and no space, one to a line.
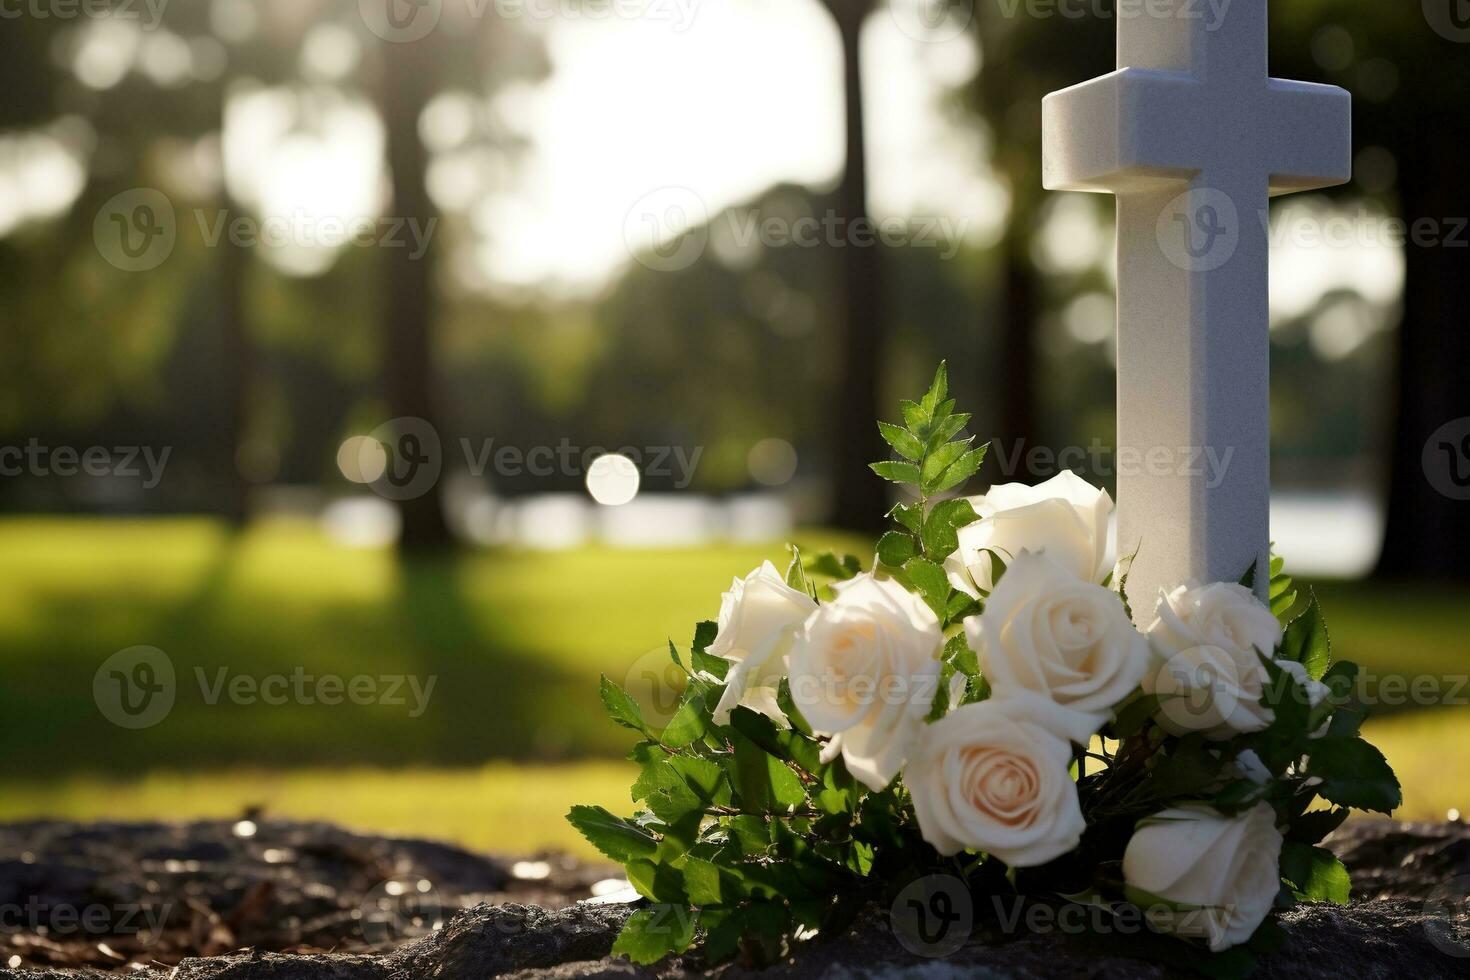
375,373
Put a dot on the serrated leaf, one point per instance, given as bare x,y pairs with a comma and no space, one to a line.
931,582
1315,873
910,516
960,471
913,416
619,839
895,548
621,707
946,429
1306,640
940,459
904,442
957,651
895,472
1312,826
653,934
831,566
702,882
1354,774
689,723
937,391
941,529
704,635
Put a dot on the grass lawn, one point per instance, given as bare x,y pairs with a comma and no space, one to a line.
515,641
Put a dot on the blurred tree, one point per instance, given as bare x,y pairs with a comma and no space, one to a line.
410,74
858,500
1022,60
1407,70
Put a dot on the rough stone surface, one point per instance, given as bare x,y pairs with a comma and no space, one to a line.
1395,927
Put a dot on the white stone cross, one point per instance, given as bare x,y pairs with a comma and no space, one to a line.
1192,135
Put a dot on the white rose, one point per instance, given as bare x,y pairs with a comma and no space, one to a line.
1207,641
994,777
1045,630
864,670
758,618
1226,869
1066,517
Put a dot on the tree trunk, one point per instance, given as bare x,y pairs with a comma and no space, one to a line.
1428,513
235,371
1017,408
859,498
408,84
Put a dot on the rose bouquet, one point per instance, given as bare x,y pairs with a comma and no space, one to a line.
979,705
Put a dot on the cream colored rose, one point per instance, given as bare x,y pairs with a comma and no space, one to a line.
1207,672
759,616
1046,631
1065,517
1222,872
864,670
994,777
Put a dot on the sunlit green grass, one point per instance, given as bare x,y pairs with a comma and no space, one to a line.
518,809
515,639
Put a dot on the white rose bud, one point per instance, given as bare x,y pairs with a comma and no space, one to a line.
994,777
1046,631
864,670
759,617
1066,517
1223,873
1207,641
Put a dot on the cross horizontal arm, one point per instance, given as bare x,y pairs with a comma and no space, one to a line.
1312,127
1119,131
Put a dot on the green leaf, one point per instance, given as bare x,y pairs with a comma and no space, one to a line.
763,782
652,934
961,470
796,572
622,840
914,416
1354,774
941,530
829,565
935,395
910,516
895,472
1312,826
904,442
689,723
957,651
702,882
1134,716
895,548
760,928
702,662
946,429
932,583
622,709
788,707
1306,640
939,460
1315,873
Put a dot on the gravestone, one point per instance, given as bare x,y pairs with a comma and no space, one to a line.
1193,135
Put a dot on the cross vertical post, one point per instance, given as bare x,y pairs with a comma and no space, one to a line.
1193,136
